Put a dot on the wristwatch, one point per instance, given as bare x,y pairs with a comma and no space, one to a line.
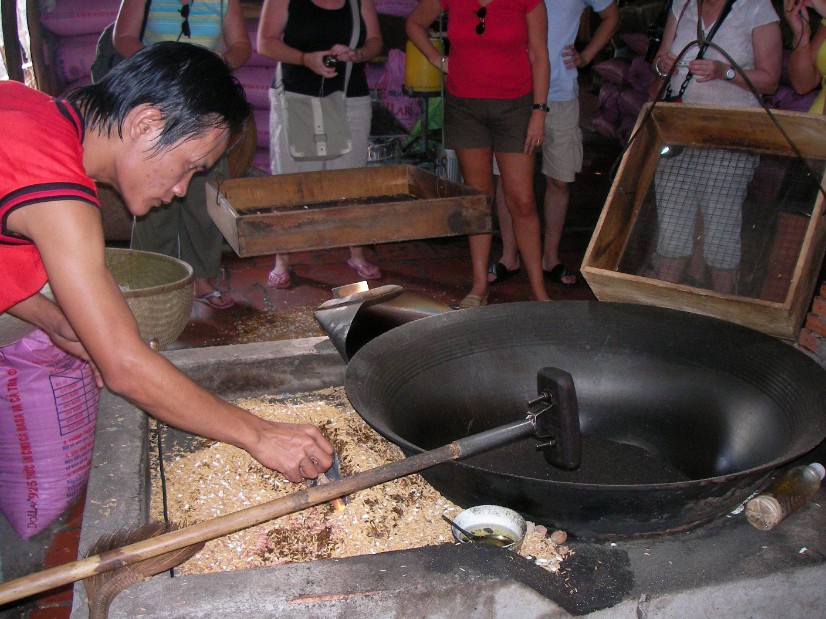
541,106
730,74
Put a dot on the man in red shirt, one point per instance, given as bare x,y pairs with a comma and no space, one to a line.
154,121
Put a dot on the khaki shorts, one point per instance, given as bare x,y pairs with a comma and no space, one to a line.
562,146
498,124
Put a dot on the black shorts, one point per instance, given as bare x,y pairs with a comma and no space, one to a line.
499,124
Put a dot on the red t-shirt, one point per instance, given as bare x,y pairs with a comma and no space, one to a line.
42,154
493,65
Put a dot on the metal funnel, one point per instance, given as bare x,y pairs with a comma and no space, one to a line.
353,320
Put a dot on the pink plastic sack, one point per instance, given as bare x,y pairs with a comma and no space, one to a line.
72,17
48,407
604,127
256,82
262,128
400,8
261,160
640,75
390,86
637,42
74,56
630,102
613,71
608,105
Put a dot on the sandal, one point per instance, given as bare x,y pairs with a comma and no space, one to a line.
558,273
280,281
215,300
365,270
473,300
500,273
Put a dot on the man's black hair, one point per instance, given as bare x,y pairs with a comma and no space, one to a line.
191,86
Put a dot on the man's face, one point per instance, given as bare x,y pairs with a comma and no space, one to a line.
149,179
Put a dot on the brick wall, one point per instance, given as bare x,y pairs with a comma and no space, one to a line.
813,334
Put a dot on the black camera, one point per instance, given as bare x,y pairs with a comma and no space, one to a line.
330,61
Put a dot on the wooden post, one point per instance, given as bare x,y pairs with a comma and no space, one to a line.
11,40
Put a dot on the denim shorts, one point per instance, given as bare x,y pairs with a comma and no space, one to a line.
498,124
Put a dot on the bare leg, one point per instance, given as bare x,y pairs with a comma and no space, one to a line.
362,265
557,197
282,263
510,255
280,276
671,269
477,172
517,182
722,280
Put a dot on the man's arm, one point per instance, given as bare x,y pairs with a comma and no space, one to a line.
69,237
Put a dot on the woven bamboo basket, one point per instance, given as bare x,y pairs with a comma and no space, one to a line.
158,290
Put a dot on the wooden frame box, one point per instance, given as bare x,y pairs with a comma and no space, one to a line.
339,208
782,236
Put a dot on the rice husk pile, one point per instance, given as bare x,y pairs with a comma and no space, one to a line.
401,514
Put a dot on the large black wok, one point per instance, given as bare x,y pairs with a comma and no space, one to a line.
683,416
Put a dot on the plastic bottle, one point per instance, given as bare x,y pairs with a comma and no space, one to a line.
786,494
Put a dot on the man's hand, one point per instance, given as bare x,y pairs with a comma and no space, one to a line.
297,451
63,336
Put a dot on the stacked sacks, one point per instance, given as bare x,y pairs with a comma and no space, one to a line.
256,77
72,29
625,83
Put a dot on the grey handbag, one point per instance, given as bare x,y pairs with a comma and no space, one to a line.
317,127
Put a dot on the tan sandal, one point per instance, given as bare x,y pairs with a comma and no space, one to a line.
473,300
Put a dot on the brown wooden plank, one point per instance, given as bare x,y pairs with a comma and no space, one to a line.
315,210
360,225
735,127
224,216
771,318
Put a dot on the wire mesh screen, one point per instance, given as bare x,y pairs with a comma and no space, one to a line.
724,220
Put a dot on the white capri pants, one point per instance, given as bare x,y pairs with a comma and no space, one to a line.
713,182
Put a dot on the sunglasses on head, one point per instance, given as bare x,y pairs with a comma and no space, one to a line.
185,29
480,27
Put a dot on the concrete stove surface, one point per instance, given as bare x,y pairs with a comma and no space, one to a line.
725,568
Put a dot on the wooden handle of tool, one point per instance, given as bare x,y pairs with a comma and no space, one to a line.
223,525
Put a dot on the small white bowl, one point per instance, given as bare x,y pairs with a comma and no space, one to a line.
492,520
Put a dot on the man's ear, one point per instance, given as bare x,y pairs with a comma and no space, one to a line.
144,122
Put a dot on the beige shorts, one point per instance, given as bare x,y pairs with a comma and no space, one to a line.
562,146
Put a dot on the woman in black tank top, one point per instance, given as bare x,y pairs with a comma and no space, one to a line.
301,35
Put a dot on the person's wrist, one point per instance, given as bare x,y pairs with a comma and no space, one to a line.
359,55
301,60
540,107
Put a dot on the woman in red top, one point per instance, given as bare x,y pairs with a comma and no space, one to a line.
496,101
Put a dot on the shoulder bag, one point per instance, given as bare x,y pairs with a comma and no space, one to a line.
317,127
105,55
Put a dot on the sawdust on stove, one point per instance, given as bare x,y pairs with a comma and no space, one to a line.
400,514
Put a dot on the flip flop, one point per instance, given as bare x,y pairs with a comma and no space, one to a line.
557,274
500,273
365,270
280,281
215,300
